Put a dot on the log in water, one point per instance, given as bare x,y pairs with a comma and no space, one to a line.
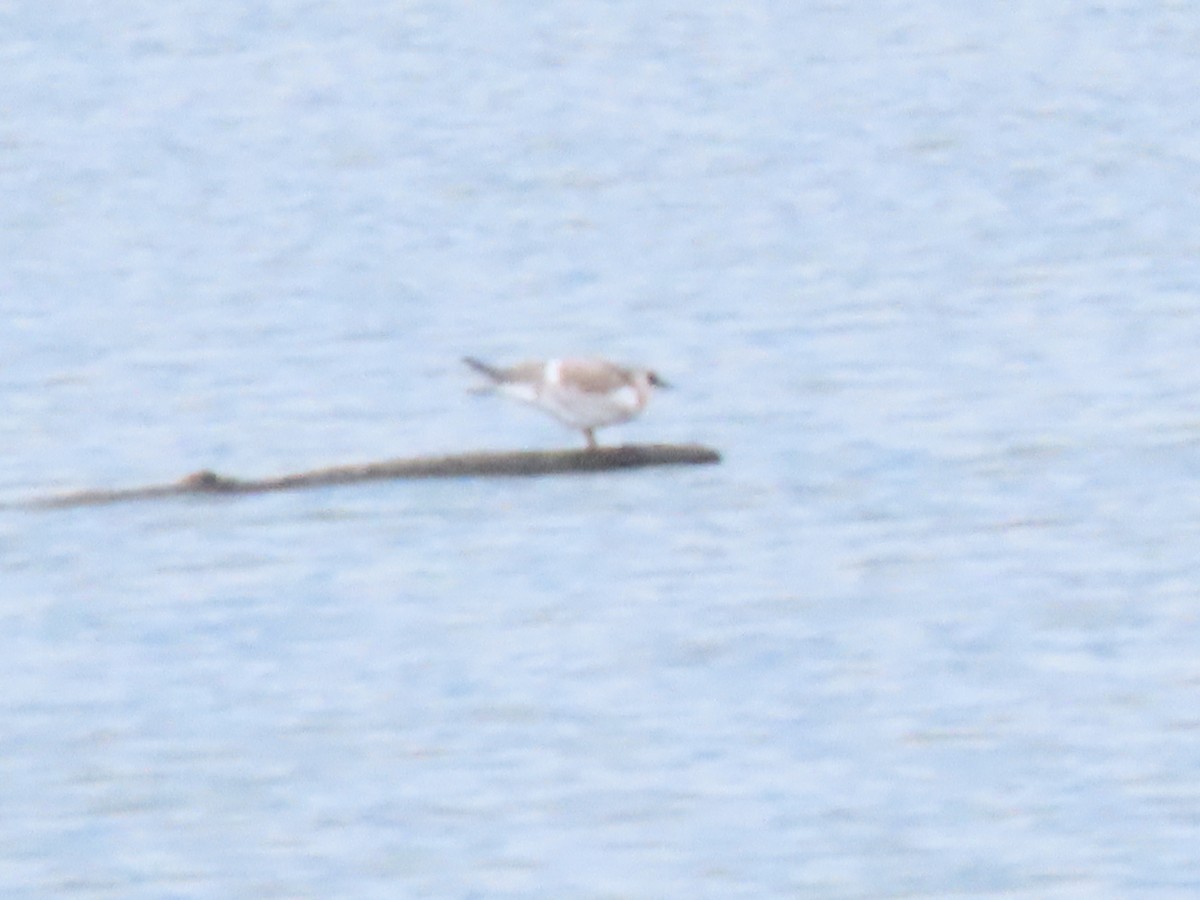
510,463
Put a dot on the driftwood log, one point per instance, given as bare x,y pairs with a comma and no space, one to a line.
543,462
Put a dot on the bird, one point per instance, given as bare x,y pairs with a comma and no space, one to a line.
585,394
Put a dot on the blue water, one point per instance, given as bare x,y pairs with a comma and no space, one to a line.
924,273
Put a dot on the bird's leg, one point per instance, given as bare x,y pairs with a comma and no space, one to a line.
591,438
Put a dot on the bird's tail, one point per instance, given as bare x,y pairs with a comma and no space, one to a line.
491,372
494,376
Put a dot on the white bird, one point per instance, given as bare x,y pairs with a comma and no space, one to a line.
581,393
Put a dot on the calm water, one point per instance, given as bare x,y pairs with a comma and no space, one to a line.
925,276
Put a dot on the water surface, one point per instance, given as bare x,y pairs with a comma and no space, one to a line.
925,277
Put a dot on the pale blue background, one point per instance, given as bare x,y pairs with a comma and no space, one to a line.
924,272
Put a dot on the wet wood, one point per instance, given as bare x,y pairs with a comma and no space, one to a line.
485,464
